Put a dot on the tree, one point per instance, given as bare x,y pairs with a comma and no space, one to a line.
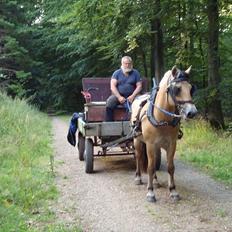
215,114
15,60
48,46
157,44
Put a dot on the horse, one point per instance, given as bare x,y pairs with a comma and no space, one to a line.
157,122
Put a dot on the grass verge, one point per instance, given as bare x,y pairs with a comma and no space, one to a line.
27,182
207,149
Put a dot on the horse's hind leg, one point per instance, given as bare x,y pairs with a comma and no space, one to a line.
171,169
138,156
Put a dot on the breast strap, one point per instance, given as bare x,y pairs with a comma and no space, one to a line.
175,121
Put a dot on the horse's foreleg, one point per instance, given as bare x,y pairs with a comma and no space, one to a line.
150,170
171,169
155,180
138,154
157,159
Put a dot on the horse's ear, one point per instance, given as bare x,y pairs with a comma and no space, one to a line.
174,71
188,70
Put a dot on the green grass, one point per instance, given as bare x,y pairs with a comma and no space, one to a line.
27,182
207,149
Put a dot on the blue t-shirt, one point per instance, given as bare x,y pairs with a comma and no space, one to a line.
126,84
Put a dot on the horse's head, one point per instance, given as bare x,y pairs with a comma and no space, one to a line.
181,92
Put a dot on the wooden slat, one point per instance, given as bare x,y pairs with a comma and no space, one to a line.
120,128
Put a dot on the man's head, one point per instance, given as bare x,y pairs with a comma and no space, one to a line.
126,64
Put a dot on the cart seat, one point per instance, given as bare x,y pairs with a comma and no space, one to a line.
95,112
99,89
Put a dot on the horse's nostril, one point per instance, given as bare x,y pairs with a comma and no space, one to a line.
191,114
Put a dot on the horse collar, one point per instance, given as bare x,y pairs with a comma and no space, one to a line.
176,118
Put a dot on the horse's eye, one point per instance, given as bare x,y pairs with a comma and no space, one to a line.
176,90
193,90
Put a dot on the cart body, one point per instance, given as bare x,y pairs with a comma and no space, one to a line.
93,131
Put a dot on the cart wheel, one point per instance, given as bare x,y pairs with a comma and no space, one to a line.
88,155
158,157
81,146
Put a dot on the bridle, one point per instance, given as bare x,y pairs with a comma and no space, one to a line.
176,117
171,90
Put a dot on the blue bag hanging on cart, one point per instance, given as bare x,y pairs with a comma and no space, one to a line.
71,137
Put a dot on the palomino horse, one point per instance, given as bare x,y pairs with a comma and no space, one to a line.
158,121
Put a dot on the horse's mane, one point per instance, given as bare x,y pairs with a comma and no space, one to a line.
166,78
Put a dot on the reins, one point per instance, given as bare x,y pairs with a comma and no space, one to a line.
167,112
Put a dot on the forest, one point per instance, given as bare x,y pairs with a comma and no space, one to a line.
48,46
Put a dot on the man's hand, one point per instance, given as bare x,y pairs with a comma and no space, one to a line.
131,98
121,99
136,91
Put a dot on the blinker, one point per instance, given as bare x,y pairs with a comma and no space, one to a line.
181,75
176,90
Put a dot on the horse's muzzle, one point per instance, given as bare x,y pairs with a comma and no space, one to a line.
191,114
188,111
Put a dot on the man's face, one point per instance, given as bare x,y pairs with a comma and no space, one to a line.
127,65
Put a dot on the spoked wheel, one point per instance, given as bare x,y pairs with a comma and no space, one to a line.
88,155
81,146
158,156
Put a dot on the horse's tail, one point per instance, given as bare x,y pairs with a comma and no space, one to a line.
144,160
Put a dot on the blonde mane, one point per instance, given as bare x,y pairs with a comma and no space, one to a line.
166,78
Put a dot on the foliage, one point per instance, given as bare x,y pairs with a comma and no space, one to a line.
207,149
56,43
15,59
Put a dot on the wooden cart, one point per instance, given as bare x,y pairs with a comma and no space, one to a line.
93,131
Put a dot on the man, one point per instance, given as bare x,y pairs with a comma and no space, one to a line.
125,84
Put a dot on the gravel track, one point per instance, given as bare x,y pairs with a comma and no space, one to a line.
108,200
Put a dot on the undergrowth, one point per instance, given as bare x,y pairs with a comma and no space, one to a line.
208,149
27,181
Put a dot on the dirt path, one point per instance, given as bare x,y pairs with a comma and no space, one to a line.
108,200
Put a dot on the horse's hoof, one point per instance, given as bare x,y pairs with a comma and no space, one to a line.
174,196
138,181
151,196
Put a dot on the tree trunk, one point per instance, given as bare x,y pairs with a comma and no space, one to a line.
157,65
215,114
144,63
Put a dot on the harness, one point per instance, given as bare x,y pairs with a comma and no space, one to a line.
176,118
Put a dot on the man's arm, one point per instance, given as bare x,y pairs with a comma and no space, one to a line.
113,87
136,91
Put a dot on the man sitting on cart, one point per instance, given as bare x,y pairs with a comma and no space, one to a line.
125,84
